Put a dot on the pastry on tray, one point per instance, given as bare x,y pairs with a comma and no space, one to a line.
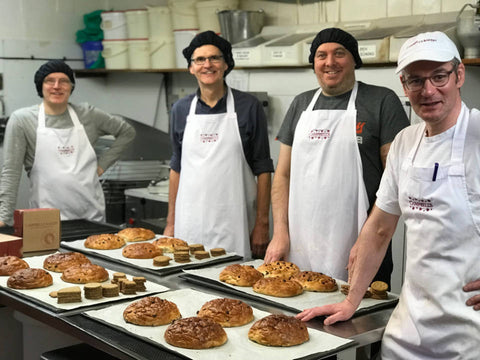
10,264
104,242
59,262
136,234
141,251
151,311
195,333
85,273
315,281
227,312
279,330
169,244
278,287
240,275
30,279
280,268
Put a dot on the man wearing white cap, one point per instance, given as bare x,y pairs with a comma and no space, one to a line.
432,179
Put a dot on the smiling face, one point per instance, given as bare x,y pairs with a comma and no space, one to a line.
335,69
56,89
437,106
210,73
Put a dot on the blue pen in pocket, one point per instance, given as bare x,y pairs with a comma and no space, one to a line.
435,171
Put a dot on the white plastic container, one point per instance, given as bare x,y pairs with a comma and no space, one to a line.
159,22
137,23
182,40
115,53
183,14
138,53
162,53
207,13
114,25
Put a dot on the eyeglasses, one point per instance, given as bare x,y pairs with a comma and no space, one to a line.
438,80
214,59
61,82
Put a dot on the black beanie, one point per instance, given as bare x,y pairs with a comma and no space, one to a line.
210,38
339,36
53,66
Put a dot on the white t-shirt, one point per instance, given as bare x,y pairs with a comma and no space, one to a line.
434,149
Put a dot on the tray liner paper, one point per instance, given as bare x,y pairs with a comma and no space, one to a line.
238,346
41,294
306,300
116,255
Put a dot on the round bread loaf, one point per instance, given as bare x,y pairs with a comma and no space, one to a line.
281,269
10,264
30,279
278,330
227,312
59,262
168,244
315,281
141,251
195,333
240,275
151,311
85,273
136,234
277,287
104,242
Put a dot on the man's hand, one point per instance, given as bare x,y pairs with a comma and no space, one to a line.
278,248
259,240
2,224
100,171
169,230
474,300
334,312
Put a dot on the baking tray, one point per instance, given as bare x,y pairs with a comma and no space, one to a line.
146,265
238,345
209,277
40,296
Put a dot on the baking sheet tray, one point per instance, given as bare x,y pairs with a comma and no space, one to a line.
307,299
41,296
238,346
115,255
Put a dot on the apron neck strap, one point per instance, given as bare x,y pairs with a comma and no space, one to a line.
71,112
351,101
230,103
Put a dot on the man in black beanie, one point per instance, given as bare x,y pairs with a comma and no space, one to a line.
334,144
220,168
54,142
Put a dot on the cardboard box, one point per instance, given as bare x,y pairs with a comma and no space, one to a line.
10,245
39,228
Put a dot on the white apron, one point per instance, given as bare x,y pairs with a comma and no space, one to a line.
328,201
431,320
64,172
215,204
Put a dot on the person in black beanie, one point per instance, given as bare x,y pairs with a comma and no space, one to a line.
334,144
221,166
54,142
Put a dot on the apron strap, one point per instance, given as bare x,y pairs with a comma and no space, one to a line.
230,103
351,101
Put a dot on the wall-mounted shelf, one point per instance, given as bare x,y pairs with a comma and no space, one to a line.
83,73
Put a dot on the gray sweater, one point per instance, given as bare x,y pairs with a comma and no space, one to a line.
20,143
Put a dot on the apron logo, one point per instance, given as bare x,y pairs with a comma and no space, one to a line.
319,134
66,150
208,138
360,126
420,204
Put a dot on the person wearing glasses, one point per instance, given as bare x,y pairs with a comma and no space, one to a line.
54,142
432,179
221,167
334,143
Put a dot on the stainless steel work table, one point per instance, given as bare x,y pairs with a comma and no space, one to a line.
363,329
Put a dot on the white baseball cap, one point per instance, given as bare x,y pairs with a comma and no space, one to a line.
431,46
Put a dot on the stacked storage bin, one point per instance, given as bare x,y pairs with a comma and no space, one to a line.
114,42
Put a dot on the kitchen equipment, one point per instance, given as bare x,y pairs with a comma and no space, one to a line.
138,53
249,52
287,50
207,13
468,30
137,23
115,53
239,25
114,25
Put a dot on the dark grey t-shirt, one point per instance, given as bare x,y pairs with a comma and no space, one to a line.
380,116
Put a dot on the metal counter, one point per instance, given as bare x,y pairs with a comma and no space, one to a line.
363,329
